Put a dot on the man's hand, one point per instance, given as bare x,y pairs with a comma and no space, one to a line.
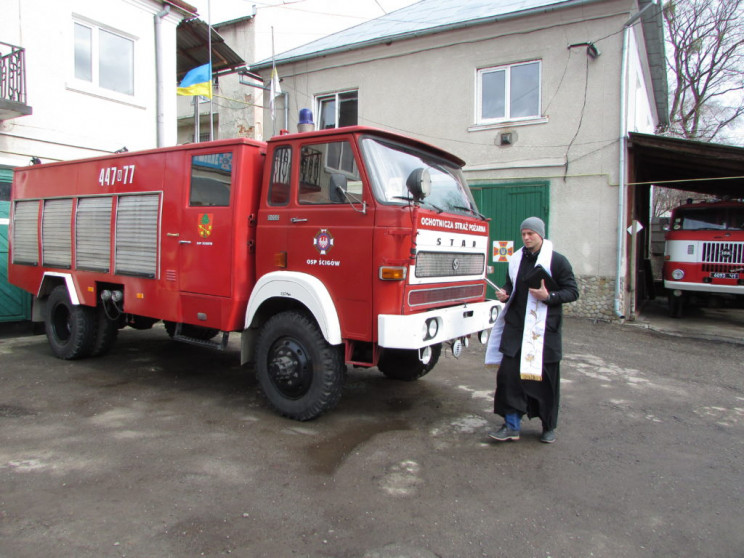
502,295
541,293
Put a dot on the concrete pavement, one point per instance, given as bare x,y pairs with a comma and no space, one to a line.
160,449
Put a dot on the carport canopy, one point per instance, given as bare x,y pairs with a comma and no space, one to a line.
192,49
681,164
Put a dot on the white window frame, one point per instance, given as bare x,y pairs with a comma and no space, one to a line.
319,99
506,68
93,86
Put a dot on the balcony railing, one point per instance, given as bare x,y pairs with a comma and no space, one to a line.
12,82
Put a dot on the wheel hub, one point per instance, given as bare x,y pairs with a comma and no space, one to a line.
290,368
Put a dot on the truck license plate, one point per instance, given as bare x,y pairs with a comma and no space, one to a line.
724,275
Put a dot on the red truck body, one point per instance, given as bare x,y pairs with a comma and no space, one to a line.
322,249
704,253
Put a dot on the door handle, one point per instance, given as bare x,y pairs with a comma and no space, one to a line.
298,220
184,242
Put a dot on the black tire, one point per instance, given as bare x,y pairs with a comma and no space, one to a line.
404,364
188,330
299,372
70,329
676,305
106,333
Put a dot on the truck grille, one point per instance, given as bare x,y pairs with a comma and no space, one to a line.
722,256
445,294
448,264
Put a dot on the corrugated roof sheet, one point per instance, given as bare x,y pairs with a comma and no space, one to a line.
425,17
192,49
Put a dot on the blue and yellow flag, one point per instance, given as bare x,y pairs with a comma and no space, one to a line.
197,82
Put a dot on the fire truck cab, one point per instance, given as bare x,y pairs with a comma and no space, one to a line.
704,254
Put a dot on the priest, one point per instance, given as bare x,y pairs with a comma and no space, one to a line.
525,344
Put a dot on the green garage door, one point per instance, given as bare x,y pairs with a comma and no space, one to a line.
15,304
508,205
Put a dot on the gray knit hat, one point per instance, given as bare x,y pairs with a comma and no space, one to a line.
534,224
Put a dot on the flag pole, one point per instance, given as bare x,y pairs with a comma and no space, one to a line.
271,91
209,43
196,118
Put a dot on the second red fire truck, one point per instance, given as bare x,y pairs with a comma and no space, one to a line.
704,254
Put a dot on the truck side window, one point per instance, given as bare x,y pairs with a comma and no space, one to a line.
280,176
211,176
327,172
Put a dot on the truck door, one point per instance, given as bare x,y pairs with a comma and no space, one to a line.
330,230
205,239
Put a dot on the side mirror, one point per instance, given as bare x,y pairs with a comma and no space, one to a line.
419,183
339,185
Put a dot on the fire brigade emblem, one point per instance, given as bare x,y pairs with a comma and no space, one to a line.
502,250
323,241
205,224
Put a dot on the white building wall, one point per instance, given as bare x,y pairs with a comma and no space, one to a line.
72,118
641,111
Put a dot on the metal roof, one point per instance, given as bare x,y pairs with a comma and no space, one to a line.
682,164
192,47
422,18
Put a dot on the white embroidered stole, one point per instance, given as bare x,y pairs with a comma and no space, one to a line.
533,335
534,321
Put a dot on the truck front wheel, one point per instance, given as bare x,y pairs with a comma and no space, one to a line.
70,329
300,373
676,305
404,364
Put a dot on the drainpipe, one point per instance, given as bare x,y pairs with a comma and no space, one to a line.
621,170
159,74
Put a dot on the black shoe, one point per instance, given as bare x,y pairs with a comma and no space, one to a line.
548,436
504,433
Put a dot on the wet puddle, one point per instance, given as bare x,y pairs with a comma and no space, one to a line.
328,454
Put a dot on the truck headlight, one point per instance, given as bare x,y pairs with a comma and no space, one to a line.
431,328
494,314
678,274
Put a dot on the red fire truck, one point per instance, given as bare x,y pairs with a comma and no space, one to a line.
348,246
704,254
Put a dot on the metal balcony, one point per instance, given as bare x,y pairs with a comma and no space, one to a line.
13,82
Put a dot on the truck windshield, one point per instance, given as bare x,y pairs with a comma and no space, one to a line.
715,218
390,164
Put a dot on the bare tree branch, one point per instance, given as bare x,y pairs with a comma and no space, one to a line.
706,63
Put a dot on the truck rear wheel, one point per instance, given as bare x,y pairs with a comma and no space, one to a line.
404,364
70,329
300,373
107,331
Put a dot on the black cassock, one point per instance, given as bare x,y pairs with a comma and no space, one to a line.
533,398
